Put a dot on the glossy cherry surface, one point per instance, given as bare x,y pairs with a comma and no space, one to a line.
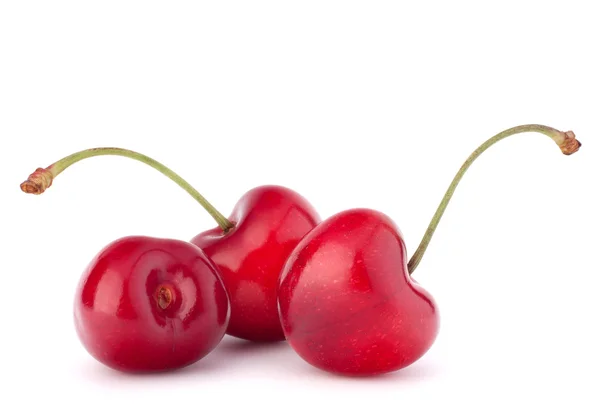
147,304
269,221
348,304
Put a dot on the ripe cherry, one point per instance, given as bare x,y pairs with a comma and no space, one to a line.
347,302
268,222
249,249
148,304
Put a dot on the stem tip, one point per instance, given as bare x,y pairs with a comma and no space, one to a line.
37,182
570,144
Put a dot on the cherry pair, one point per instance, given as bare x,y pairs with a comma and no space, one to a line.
148,304
339,291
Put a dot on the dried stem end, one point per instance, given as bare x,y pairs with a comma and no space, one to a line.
570,144
164,297
37,182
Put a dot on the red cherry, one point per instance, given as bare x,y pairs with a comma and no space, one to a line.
348,304
269,221
148,304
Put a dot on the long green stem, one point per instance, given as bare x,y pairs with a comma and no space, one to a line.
42,178
565,140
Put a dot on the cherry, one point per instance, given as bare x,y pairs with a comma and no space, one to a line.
268,222
249,249
348,304
148,304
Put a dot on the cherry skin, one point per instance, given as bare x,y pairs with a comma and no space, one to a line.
269,221
347,302
148,304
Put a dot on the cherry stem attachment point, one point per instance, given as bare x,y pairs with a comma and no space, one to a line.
566,141
42,178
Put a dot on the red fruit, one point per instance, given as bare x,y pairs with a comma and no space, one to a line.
148,304
347,301
250,250
348,304
269,221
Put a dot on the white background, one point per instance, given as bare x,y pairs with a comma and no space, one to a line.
352,104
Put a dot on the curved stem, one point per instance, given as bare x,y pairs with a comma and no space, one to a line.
565,140
42,178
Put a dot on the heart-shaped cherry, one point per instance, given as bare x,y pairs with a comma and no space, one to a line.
269,221
250,250
147,304
347,302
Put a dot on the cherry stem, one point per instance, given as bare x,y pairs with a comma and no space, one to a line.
42,178
565,140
